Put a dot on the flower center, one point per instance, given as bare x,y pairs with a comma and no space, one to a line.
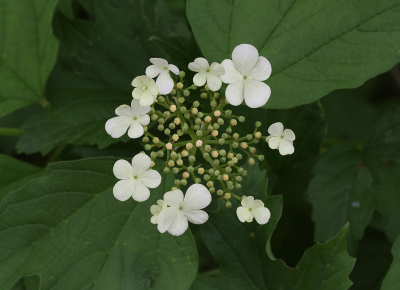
144,88
281,136
250,209
135,177
180,208
165,67
244,77
208,70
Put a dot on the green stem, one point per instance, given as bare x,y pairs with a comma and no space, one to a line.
10,132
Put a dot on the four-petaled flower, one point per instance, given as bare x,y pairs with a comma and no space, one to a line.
156,209
282,139
174,219
136,178
146,90
134,117
161,68
245,75
253,209
206,73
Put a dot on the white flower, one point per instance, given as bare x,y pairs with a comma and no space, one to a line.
174,219
161,68
253,209
282,139
134,117
156,209
146,90
136,178
245,75
207,73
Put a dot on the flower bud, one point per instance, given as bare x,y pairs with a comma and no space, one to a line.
186,93
171,163
160,153
179,86
161,99
214,133
196,104
211,171
256,141
238,186
225,136
239,156
173,188
241,119
168,146
166,170
235,144
214,154
196,127
192,158
215,126
175,170
181,100
217,173
249,137
183,109
195,111
261,157
147,147
217,113
231,163
185,153
228,130
171,126
200,170
161,121
225,177
228,169
206,155
206,87
231,187
199,133
228,204
252,150
227,195
145,128
257,135
179,132
209,183
235,136
197,121
189,146
182,74
172,108
203,95
216,162
210,128
185,128
207,119
233,122
193,87
160,127
238,178
197,180
200,115
213,104
244,173
167,131
190,169
228,112
173,155
154,117
258,124
179,162
211,190
183,182
153,155
220,192
145,139
243,145
185,175
173,92
206,177
177,121
251,161
235,160
222,152
230,155
199,142
221,141
175,137
177,182
187,115
166,114
152,111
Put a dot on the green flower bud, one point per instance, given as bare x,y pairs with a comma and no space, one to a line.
161,121
197,180
196,104
167,131
193,87
175,170
179,162
206,177
197,121
216,162
183,182
199,133
217,173
182,74
239,156
238,178
177,182
249,137
235,136
185,128
261,157
190,169
211,171
152,111
153,155
228,112
231,163
222,159
145,139
200,114
258,124
166,114
166,170
161,99
252,150
147,147
235,144
209,183
181,100
154,117
171,126
173,92
235,160
183,109
256,141
220,192
220,121
251,161
216,95
186,93
212,190
221,141
228,169
228,204
206,155
160,153
203,95
171,163
196,127
225,136
215,126
222,152
207,148
192,158
219,177
228,130
187,115
213,104
179,156
242,119
244,173
210,128
240,170
238,186
179,132
160,127
173,155
229,182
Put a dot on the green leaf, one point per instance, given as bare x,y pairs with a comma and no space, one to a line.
14,174
93,76
92,239
349,184
28,51
314,47
244,254
27,283
392,279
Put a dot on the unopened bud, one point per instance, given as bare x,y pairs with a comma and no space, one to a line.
221,141
193,87
167,131
233,122
161,99
230,155
192,158
261,157
258,124
195,111
227,195
238,178
257,135
235,136
181,100
217,113
185,153
235,144
197,180
172,108
220,192
183,182
145,139
228,169
196,104
217,173
173,155
209,183
200,170
203,95
215,126
166,170
182,74
199,133
187,115
171,163
228,112
214,154
179,86
214,133
228,204
216,95
206,177
179,162
177,121
147,147
249,137
239,156
185,175
220,121
213,104
186,93
243,145
168,146
171,126
173,92
211,190
189,146
160,153
242,119
199,143
183,109
166,114
154,117
175,137
207,119
225,177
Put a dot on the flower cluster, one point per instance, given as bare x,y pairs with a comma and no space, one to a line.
198,145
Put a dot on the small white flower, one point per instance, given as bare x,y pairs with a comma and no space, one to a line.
134,117
161,68
146,90
136,178
253,209
206,73
174,219
282,139
245,75
156,209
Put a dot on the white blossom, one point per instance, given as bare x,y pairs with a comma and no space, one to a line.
161,68
252,208
133,117
156,209
206,73
174,219
136,179
279,138
146,90
245,75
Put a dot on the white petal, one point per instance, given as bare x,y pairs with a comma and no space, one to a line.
123,110
144,120
141,192
234,93
137,93
117,126
262,215
159,62
136,130
242,213
137,109
123,169
289,135
165,83
196,216
153,71
147,81
140,163
146,99
153,88
247,202
244,57
217,69
155,209
151,178
166,218
154,219
268,137
200,79
199,64
123,189
256,204
137,82
256,93
214,82
276,129
179,225
162,204
174,198
173,68
274,142
197,197
231,75
286,147
261,71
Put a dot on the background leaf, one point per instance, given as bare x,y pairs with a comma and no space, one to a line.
28,51
67,228
392,279
314,46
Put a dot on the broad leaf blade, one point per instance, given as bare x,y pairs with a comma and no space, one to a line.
314,46
392,279
28,51
94,240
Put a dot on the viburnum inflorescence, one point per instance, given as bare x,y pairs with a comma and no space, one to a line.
194,134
